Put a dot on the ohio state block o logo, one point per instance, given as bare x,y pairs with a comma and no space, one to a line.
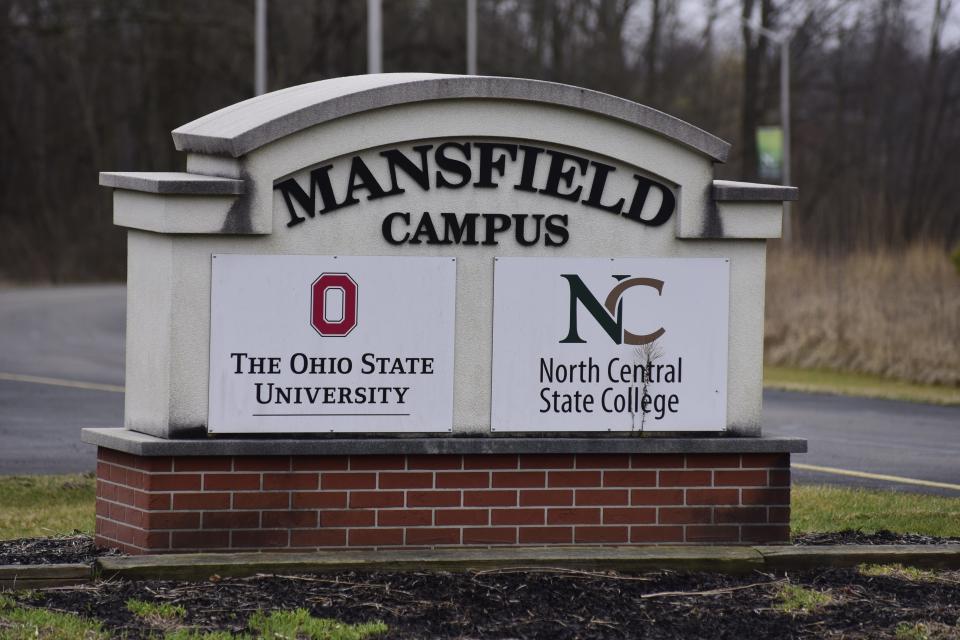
333,304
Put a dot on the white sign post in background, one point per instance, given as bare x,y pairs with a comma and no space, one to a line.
600,344
319,344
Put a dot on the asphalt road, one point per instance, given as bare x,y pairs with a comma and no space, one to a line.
76,334
71,333
886,437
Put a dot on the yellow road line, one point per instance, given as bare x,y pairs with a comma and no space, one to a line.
60,382
876,476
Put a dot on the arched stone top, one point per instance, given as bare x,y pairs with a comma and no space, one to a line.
244,127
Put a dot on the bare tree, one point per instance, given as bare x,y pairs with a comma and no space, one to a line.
927,129
96,85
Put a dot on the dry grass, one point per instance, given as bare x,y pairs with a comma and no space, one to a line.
864,385
887,313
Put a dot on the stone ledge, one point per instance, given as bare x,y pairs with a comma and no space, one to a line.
146,445
246,126
730,191
172,183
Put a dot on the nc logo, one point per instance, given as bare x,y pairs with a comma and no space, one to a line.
608,315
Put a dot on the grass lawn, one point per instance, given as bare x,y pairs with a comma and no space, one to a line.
45,505
49,505
856,384
30,623
818,508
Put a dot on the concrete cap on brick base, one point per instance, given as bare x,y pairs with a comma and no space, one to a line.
146,445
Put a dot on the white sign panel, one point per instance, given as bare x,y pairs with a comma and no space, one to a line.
599,344
313,344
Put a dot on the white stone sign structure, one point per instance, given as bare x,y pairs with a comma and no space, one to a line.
424,310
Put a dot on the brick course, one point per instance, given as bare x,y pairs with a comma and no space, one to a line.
163,504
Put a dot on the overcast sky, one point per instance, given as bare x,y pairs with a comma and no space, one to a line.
693,15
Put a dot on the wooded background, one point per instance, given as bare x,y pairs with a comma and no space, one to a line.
93,85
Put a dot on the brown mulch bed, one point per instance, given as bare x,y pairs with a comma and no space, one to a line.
532,603
58,550
540,603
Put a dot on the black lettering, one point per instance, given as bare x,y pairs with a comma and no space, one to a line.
388,227
269,388
298,363
368,365
360,171
291,191
488,164
519,221
237,359
556,224
452,165
453,227
558,174
545,397
529,168
595,199
640,197
425,228
496,223
419,174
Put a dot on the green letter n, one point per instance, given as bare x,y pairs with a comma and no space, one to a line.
578,291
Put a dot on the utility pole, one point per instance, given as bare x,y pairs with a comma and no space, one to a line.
471,37
782,39
785,125
374,37
260,51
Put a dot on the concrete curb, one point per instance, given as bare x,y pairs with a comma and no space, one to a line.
44,576
686,558
200,566
793,558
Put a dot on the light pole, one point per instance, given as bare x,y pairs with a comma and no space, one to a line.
260,50
781,39
374,37
471,37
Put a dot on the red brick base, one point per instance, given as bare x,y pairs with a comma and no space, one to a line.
167,504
